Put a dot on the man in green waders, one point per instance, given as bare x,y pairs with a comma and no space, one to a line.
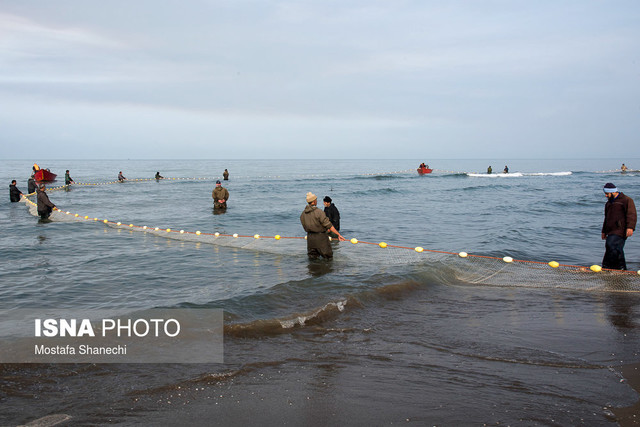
316,224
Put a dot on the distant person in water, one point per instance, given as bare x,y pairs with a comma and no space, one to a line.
14,193
67,179
331,211
31,185
623,168
225,175
158,176
620,218
316,224
45,207
220,196
121,177
506,169
489,170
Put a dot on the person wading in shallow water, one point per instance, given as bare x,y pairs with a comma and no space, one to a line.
220,196
331,211
316,224
619,223
14,193
45,207
67,178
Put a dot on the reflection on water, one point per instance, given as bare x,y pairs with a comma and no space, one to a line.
320,267
219,211
620,310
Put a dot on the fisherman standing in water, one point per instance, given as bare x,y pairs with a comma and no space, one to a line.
506,169
316,224
623,168
489,170
31,185
121,177
332,212
225,175
14,193
220,196
619,223
45,207
67,179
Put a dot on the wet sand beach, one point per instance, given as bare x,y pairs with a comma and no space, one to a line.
630,416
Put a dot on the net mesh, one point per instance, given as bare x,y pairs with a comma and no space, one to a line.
451,267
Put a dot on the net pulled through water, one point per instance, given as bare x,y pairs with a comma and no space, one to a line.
452,268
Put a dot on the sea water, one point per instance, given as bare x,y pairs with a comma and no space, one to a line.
368,338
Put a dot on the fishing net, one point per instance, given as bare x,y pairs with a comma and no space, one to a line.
452,268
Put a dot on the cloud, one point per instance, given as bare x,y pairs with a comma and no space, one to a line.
385,75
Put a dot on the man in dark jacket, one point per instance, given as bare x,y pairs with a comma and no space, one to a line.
45,207
619,223
14,193
331,211
220,196
316,224
31,185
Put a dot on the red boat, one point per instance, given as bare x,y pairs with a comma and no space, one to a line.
44,175
424,170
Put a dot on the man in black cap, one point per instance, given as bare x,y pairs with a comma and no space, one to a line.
619,223
220,196
331,211
14,193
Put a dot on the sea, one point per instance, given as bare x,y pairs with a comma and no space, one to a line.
376,336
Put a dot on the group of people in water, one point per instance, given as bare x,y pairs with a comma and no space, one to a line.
45,206
619,223
490,170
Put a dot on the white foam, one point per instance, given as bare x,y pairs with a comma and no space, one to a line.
495,175
566,173
518,174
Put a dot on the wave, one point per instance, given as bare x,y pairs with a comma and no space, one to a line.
275,326
205,379
379,177
564,173
518,174
375,191
495,175
453,175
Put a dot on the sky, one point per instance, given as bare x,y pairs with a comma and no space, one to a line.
326,79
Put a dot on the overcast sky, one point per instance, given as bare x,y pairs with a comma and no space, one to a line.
319,79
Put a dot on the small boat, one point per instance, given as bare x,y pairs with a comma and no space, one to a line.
43,175
424,170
